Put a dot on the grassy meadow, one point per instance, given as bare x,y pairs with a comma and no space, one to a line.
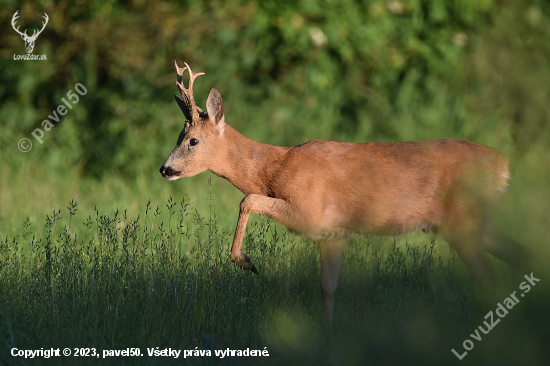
97,250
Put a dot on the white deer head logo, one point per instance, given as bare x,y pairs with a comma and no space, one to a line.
29,41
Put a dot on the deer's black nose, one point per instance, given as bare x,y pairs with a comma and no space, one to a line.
166,171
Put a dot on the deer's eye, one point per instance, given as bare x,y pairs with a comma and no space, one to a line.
193,142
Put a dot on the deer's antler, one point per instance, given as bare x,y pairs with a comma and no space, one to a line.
187,104
35,34
24,34
15,16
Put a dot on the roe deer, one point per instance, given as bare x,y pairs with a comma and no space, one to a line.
328,190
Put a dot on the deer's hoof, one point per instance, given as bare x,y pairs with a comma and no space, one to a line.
245,263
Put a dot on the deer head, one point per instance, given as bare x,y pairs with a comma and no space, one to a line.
202,135
29,41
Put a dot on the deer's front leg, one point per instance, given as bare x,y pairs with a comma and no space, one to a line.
274,208
237,254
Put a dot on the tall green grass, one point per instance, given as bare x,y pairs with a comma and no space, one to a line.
111,281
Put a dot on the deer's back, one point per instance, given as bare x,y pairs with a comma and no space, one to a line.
384,188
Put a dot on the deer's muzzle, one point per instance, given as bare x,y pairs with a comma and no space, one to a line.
168,172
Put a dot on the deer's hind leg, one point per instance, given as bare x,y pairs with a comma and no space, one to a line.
505,248
463,229
469,246
469,230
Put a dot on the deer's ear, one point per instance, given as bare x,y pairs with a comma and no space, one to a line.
214,107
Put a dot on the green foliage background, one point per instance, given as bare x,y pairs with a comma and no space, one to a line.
289,72
393,70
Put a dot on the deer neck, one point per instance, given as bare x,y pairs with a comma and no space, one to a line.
246,163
